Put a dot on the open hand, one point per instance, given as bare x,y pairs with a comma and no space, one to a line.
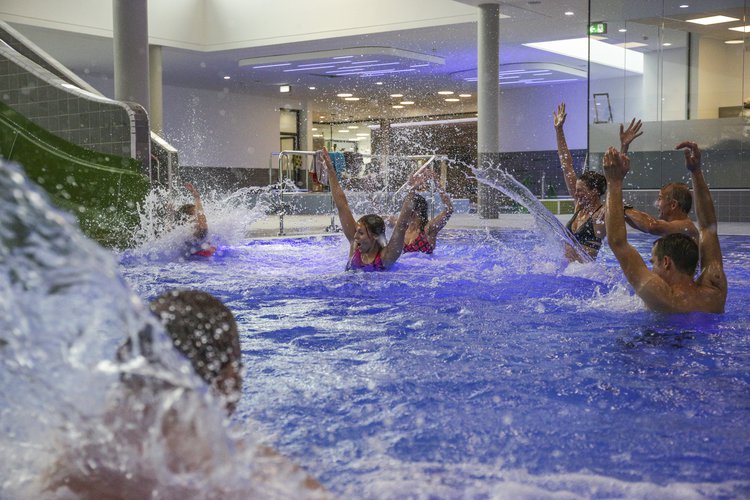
559,115
630,134
616,165
189,186
327,160
692,155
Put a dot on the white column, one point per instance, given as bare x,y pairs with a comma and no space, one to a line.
488,135
156,113
130,23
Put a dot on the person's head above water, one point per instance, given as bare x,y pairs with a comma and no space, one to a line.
594,182
675,251
186,213
205,331
674,201
371,229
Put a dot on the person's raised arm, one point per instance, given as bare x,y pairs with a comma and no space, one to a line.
201,225
708,244
440,220
629,135
566,160
348,224
646,284
395,246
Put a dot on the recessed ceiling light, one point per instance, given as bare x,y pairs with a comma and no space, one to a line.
378,83
363,134
343,95
227,77
684,6
397,106
352,127
741,29
666,44
622,30
311,88
734,42
570,13
406,102
343,131
452,99
445,92
464,95
705,21
285,89
322,117
314,129
397,95
351,98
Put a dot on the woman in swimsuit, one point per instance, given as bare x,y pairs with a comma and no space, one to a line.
421,233
587,223
192,213
369,250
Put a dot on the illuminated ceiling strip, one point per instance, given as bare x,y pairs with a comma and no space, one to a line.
595,51
309,69
341,54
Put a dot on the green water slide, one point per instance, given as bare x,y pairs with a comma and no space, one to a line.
101,190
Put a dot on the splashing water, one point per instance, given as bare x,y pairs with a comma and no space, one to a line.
229,215
77,422
504,182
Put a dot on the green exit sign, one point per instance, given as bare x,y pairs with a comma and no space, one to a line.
598,29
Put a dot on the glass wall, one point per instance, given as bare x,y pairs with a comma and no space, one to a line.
683,67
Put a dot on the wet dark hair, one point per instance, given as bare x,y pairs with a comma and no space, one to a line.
680,192
374,223
594,180
375,226
420,206
185,212
681,248
203,329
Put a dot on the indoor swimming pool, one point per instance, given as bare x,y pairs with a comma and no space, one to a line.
491,369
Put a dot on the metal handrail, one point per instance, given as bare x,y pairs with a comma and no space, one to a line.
282,155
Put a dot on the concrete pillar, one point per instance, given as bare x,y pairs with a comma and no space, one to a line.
488,135
130,22
156,112
305,128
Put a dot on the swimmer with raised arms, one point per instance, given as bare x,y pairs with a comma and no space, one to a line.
669,286
369,250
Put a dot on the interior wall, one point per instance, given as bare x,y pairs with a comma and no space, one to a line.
718,76
526,116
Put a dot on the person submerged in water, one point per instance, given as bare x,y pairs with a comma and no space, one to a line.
587,224
421,233
669,286
369,250
152,416
192,213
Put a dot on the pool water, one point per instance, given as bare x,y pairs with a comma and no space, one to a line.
491,369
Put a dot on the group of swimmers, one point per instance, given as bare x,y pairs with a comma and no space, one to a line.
678,250
670,285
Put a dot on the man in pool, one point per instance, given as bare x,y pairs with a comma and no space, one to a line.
674,203
669,287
